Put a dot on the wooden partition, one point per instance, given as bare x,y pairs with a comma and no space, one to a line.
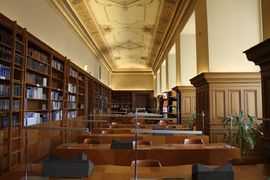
260,55
221,94
187,100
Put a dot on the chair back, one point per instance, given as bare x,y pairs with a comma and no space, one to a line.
193,141
121,144
146,163
91,141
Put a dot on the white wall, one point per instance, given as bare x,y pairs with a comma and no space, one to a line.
41,21
163,76
172,70
188,58
158,82
233,27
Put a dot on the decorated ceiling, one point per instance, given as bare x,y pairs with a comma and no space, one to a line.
127,35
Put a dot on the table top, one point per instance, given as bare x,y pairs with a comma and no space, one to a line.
148,147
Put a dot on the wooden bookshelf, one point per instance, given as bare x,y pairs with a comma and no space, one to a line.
40,87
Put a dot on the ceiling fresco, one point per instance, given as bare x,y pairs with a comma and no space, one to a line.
128,33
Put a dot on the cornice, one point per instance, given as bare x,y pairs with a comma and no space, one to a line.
226,77
65,11
183,11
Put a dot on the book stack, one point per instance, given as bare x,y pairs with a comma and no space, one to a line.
57,65
38,55
37,66
5,54
71,88
17,90
4,104
73,73
56,115
4,72
35,79
4,89
35,93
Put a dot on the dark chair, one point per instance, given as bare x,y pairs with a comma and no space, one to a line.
91,141
193,141
146,163
202,172
121,144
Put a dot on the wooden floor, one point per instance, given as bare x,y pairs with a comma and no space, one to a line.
111,172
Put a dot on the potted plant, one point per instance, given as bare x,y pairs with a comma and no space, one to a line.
247,128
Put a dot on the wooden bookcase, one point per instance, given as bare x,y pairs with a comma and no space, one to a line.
40,87
170,103
12,55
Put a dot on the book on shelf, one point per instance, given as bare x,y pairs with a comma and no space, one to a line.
19,47
57,65
56,96
4,72
174,103
165,109
56,105
35,118
5,54
71,98
56,115
38,55
73,73
35,93
18,60
4,121
165,103
72,114
4,104
37,66
71,88
16,89
36,79
4,89
16,104
5,37
165,95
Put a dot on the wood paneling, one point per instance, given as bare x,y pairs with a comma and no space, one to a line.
188,101
222,94
260,55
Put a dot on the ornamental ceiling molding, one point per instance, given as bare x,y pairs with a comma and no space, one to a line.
149,55
63,8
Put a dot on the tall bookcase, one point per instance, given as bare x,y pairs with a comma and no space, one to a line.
170,102
40,87
12,55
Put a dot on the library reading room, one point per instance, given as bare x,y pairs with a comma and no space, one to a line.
134,90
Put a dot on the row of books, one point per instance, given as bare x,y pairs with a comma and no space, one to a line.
16,90
35,79
72,114
71,105
73,73
35,93
56,115
169,109
56,96
4,104
5,54
57,65
15,119
18,60
71,98
4,89
81,105
4,72
4,121
16,104
37,66
33,118
71,88
55,105
19,47
5,37
38,55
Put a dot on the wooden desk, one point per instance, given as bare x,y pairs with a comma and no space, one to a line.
107,138
112,172
167,154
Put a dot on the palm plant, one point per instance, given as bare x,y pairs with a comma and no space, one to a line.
246,134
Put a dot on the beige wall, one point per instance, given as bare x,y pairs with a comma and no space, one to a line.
129,81
42,21
233,27
266,18
172,70
188,58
